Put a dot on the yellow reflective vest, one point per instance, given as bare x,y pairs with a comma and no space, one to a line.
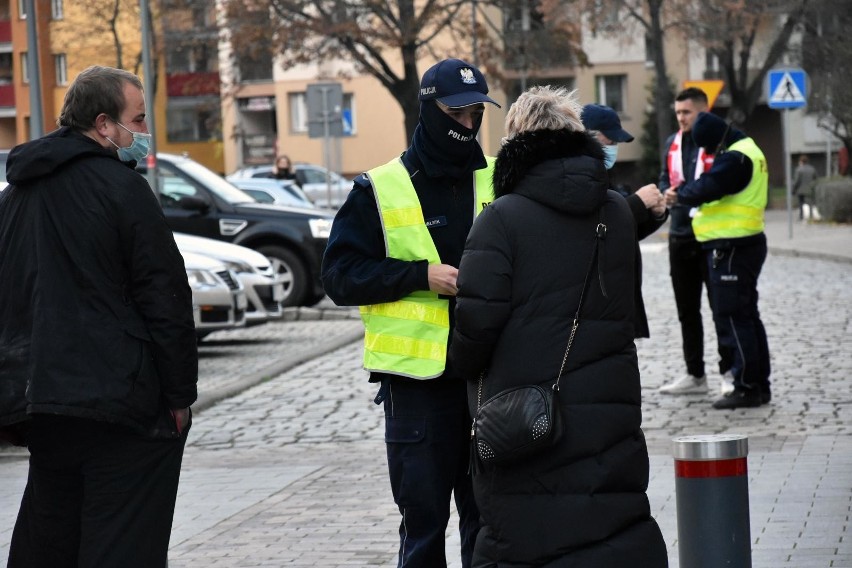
740,214
409,337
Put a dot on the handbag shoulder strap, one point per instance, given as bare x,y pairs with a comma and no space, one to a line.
600,235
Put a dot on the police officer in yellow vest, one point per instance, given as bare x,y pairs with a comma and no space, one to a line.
731,199
394,250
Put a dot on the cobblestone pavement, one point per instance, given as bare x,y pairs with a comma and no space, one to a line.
292,471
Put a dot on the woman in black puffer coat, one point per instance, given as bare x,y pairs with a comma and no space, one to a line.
581,503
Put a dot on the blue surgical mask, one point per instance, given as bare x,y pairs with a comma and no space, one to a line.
610,154
138,149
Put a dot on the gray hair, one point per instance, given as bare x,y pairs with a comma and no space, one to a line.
96,90
544,108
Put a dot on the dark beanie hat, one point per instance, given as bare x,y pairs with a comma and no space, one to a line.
708,130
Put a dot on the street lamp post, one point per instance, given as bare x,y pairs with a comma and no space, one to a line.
150,115
36,113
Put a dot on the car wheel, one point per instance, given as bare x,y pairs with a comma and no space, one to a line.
292,271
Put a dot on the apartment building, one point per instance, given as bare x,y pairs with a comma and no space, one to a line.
186,106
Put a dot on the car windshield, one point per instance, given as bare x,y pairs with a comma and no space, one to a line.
215,183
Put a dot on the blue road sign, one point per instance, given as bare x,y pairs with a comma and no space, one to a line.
787,88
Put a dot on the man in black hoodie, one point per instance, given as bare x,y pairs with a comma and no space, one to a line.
394,250
98,360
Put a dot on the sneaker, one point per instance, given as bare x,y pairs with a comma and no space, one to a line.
687,384
739,399
727,385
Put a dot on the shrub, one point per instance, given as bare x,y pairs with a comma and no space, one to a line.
833,198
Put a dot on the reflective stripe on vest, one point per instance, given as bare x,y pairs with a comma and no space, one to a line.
740,214
409,337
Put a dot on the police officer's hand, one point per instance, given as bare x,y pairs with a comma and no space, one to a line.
442,279
671,196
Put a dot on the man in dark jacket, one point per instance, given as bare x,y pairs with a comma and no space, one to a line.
683,162
98,361
646,203
394,250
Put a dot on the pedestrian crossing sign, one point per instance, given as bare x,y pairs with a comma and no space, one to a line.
787,88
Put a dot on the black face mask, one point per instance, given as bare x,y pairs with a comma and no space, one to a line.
446,147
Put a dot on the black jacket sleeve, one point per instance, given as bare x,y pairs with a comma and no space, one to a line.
355,268
159,290
483,302
664,182
731,173
646,222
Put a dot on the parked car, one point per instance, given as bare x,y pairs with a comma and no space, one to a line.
312,180
199,202
263,288
218,298
267,190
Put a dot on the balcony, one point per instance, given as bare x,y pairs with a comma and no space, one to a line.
192,84
5,31
7,96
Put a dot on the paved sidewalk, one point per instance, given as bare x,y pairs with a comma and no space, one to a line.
291,471
828,241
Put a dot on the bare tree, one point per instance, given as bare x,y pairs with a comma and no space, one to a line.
826,48
102,32
382,38
729,30
657,18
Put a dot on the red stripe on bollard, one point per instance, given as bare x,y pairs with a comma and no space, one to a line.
711,468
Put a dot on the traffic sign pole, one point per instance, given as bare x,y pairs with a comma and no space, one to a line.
787,90
787,176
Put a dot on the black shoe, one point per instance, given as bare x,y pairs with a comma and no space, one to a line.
765,397
739,399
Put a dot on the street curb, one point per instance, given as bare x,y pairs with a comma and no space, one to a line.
285,363
809,254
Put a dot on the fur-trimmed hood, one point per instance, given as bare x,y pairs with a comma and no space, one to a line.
561,168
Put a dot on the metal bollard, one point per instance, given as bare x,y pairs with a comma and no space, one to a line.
711,483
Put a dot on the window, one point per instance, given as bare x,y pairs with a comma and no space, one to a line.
173,187
6,76
22,9
200,57
25,67
57,10
610,91
195,123
298,112
61,63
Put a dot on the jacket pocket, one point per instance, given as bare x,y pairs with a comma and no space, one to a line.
405,429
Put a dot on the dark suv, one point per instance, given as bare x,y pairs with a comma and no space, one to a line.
197,201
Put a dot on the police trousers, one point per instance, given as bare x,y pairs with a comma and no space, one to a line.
734,266
427,433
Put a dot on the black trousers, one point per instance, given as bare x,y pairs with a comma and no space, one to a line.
734,268
97,495
427,433
688,271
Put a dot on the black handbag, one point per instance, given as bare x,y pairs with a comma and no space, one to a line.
522,421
